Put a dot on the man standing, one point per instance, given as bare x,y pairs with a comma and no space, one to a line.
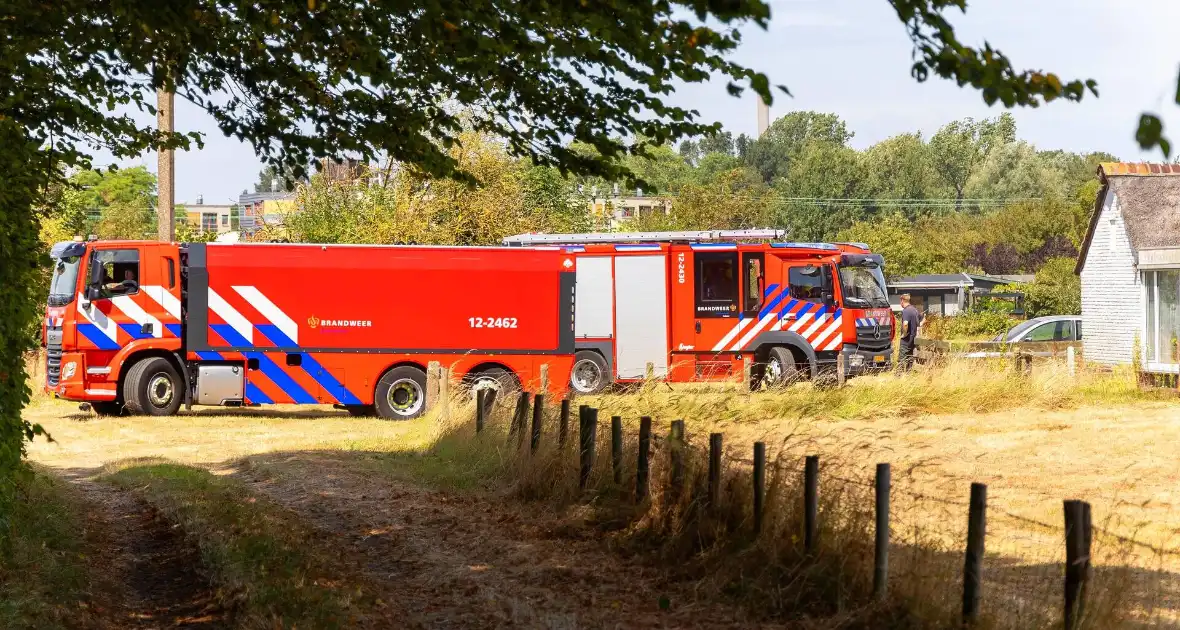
911,321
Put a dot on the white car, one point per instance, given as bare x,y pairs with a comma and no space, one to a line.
1036,330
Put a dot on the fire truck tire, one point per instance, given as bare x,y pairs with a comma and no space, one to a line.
401,393
153,388
503,381
780,369
589,373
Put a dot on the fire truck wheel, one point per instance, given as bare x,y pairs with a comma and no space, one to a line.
401,393
780,369
153,388
589,373
502,381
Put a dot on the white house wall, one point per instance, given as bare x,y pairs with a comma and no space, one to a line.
1112,296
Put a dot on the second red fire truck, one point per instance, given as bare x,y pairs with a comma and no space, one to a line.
146,327
696,305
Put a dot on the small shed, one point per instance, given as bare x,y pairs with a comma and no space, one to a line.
1130,268
942,293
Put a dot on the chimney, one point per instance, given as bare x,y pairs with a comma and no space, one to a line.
200,199
763,116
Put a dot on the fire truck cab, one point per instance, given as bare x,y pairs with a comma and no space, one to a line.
700,305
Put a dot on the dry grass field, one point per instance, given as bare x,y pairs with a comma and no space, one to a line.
1035,440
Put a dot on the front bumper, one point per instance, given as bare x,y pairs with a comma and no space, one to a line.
858,361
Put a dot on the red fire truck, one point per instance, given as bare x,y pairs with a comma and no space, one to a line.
145,326
693,306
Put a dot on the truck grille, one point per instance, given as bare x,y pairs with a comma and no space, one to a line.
53,359
872,337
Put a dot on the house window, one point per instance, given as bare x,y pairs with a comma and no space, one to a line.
208,222
225,219
1163,316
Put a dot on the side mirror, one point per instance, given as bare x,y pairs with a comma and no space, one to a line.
93,293
829,300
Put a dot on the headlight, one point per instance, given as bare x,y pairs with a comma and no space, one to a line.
68,370
856,360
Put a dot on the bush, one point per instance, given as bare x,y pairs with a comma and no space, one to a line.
968,325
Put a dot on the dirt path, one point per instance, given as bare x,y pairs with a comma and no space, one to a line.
147,567
461,561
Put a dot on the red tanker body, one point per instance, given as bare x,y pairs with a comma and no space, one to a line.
699,306
353,326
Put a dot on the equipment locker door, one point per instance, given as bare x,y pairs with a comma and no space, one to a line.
641,316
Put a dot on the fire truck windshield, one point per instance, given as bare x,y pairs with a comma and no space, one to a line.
864,286
65,280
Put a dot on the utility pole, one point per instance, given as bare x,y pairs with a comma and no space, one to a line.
166,204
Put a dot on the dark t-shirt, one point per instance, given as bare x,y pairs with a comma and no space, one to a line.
910,320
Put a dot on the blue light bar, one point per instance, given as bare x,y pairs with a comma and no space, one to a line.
825,246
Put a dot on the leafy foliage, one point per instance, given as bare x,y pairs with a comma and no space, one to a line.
1057,290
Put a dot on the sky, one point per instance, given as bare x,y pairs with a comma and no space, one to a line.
853,57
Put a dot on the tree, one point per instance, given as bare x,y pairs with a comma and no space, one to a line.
899,168
787,136
720,142
1057,290
734,199
818,198
1015,171
892,236
273,179
741,146
960,146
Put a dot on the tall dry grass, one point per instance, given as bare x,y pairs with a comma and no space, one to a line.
771,573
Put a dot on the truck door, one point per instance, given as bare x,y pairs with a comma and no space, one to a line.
811,311
718,319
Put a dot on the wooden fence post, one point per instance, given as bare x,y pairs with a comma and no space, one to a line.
676,455
1071,361
810,502
432,384
649,372
1077,560
841,369
759,483
538,418
444,393
714,470
881,546
520,417
481,396
563,426
587,434
641,466
973,565
616,449
544,387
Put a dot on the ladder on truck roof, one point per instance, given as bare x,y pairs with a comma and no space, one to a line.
686,236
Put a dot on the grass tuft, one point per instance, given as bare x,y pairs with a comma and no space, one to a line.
44,579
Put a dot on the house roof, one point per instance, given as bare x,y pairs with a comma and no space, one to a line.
946,280
933,281
1149,201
